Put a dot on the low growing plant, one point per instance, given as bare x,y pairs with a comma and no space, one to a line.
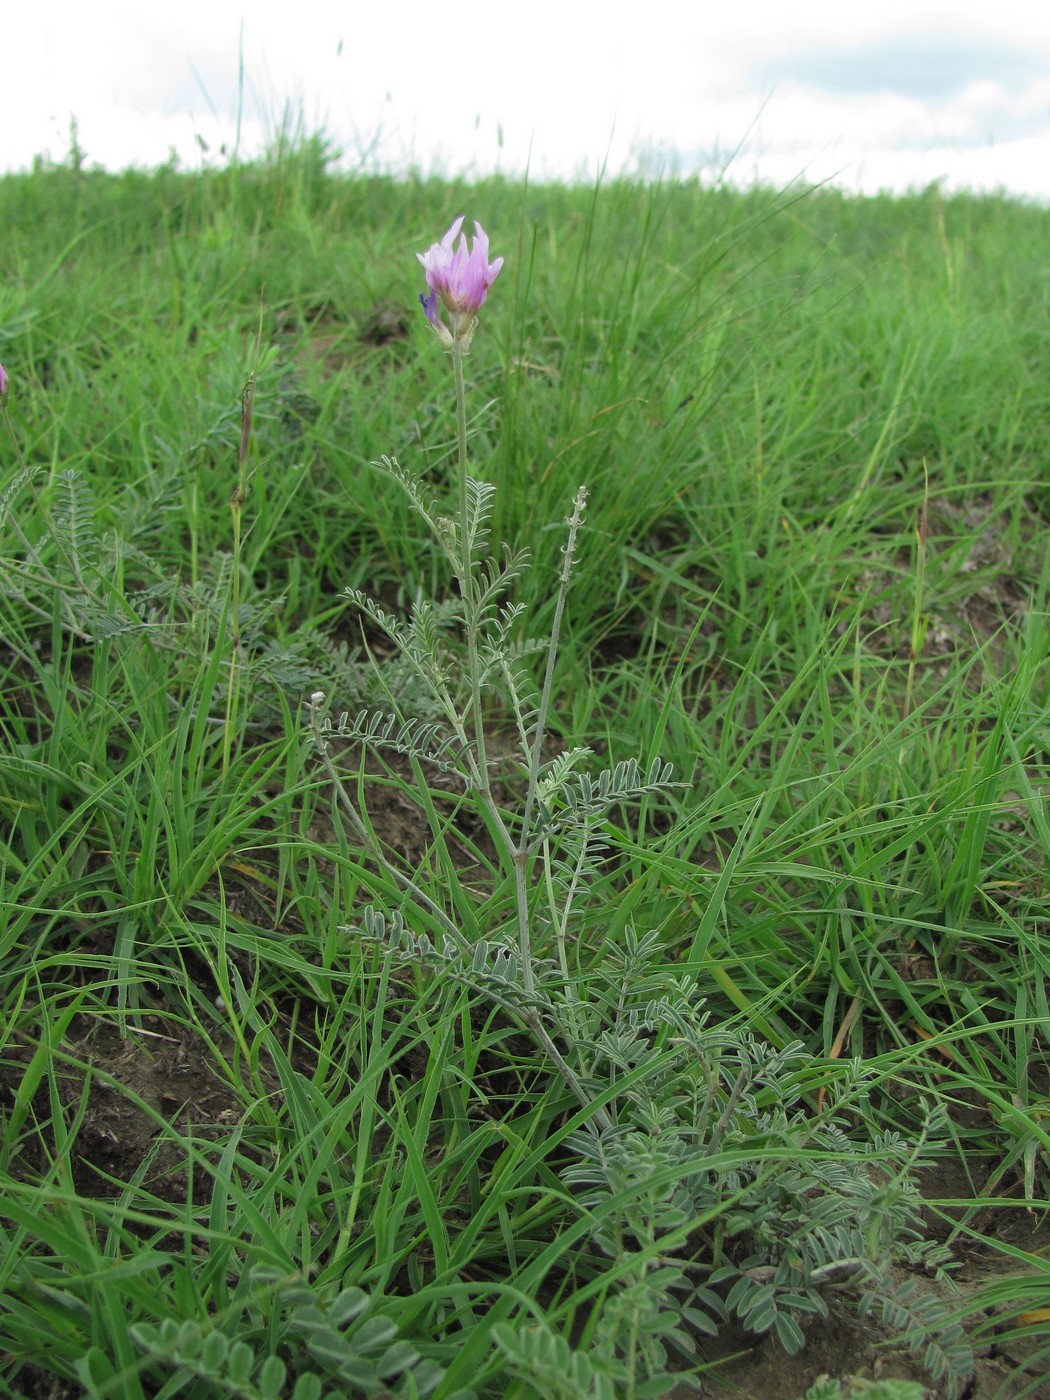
708,1183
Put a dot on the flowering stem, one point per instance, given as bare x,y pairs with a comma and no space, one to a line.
458,279
465,543
466,563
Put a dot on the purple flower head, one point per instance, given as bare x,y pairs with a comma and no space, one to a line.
3,385
460,279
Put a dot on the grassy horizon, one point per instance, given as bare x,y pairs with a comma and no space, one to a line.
814,577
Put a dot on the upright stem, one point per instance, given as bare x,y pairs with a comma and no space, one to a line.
518,852
465,542
466,565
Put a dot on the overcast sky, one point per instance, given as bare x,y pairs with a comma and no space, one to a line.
875,94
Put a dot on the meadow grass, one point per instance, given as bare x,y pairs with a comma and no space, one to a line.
814,578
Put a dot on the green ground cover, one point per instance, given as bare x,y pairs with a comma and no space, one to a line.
246,1151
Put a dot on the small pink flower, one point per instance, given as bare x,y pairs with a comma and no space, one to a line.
460,279
3,385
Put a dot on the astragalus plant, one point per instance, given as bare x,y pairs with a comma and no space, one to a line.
693,1152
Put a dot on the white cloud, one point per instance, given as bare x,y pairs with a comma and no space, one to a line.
410,84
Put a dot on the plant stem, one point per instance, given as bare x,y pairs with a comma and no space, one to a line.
465,542
520,854
470,617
